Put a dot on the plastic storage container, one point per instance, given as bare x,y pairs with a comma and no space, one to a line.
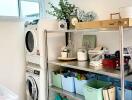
93,90
128,94
6,94
128,84
68,83
56,80
78,85
91,76
115,81
103,78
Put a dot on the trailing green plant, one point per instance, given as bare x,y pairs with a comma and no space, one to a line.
86,16
64,11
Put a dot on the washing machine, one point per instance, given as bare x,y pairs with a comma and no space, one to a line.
35,83
34,38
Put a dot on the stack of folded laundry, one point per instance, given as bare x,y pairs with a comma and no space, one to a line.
96,56
96,64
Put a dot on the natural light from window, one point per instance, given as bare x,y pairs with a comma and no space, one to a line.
29,9
9,8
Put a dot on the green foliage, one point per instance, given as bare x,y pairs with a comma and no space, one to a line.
64,11
86,16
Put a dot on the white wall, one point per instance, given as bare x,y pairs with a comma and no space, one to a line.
102,7
12,56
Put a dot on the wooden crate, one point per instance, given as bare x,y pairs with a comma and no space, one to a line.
114,23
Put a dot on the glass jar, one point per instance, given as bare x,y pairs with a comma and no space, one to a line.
70,49
82,54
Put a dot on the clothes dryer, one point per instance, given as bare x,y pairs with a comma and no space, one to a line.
34,39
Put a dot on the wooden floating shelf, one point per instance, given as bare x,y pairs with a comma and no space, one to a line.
114,23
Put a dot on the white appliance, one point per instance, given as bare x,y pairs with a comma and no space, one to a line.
35,83
35,56
34,39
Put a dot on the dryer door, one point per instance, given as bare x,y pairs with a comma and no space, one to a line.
32,89
31,41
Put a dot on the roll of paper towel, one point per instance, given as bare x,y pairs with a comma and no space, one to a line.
126,12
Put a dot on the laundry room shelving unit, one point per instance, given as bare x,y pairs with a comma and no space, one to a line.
109,25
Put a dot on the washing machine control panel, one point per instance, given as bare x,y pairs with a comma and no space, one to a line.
35,72
29,70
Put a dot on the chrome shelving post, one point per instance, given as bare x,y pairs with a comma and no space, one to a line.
46,64
122,61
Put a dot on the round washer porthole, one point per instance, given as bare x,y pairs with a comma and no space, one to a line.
32,88
29,40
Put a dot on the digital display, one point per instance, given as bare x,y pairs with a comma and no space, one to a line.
36,72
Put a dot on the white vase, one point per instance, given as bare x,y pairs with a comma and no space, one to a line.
62,25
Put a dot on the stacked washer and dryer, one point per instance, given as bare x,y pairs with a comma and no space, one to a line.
36,69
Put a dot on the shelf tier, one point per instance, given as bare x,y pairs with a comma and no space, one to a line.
84,66
87,30
69,94
83,30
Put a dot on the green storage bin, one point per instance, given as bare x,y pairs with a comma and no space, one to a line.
56,80
94,90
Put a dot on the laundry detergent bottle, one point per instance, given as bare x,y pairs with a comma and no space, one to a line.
58,97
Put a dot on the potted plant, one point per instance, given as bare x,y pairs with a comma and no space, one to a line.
64,11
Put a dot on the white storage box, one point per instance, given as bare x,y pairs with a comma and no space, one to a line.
6,94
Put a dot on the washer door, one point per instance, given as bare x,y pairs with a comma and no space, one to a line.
31,89
31,41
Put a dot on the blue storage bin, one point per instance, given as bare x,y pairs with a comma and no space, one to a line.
128,94
68,83
103,78
79,85
91,76
128,84
115,81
